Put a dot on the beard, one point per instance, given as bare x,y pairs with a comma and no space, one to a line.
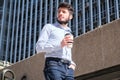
63,22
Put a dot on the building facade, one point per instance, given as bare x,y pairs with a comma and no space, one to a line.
22,20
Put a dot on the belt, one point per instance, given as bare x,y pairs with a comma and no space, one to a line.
58,60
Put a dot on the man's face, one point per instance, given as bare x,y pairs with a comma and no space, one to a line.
63,15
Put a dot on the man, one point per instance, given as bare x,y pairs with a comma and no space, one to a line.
52,41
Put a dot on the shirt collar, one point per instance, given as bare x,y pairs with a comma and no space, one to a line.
58,25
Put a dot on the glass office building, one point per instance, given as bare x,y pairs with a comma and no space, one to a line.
22,20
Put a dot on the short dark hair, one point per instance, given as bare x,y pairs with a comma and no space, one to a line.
66,5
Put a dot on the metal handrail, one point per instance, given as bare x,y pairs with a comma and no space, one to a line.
5,77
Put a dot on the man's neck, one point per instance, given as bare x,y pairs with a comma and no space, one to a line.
64,25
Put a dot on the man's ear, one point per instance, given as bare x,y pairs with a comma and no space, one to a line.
71,16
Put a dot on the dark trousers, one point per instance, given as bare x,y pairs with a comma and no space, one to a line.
57,69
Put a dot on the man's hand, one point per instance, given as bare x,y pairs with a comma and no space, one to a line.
65,41
72,66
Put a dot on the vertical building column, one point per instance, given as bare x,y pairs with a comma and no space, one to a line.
76,18
99,12
83,16
117,9
30,28
35,26
51,11
57,4
45,11
13,30
69,21
2,27
16,35
26,25
21,31
91,15
108,11
40,18
8,31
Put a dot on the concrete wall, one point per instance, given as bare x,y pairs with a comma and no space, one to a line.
95,50
31,68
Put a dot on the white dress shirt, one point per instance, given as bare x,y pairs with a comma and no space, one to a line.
50,42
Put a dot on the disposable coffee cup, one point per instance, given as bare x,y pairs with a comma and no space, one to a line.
69,44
